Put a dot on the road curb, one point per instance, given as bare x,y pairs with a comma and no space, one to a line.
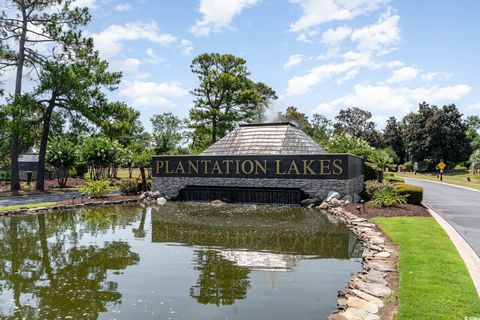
443,183
469,256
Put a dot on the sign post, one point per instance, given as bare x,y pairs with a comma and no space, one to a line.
415,168
441,165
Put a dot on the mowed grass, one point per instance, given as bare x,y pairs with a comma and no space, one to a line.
27,206
122,173
434,281
457,178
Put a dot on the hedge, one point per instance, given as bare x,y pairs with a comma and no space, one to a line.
413,194
394,179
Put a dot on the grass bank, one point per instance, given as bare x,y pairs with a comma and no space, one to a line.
457,178
27,206
434,281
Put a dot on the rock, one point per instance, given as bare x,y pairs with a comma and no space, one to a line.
380,266
161,201
309,201
354,302
333,195
368,297
142,196
375,276
356,198
217,203
382,255
375,289
336,316
357,314
156,194
376,248
323,206
342,303
335,202
347,199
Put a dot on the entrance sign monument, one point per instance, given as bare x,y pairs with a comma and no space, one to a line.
270,155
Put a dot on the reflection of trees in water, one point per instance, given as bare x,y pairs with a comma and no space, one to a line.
220,281
57,279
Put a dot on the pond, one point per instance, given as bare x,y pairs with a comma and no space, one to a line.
178,261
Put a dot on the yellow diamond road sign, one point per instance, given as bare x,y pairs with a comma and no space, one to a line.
441,165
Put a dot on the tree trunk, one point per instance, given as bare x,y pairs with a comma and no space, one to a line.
144,179
380,176
15,140
40,185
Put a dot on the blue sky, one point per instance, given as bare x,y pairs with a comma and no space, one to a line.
319,55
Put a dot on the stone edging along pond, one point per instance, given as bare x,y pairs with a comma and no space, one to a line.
369,292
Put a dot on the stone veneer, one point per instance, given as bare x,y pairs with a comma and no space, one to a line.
171,186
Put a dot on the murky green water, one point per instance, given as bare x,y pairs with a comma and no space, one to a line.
179,261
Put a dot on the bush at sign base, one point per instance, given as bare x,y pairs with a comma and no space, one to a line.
413,194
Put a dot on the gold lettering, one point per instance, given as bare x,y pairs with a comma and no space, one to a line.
244,170
205,163
180,168
167,163
324,168
293,166
306,167
263,168
237,166
337,164
227,167
192,166
159,165
216,166
278,167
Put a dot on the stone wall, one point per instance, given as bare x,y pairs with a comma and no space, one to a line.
171,186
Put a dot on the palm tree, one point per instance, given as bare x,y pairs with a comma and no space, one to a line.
378,161
475,161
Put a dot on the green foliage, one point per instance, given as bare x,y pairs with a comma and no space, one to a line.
393,138
473,131
378,160
393,179
120,122
434,133
387,197
96,188
413,194
4,175
357,123
344,143
130,187
101,155
225,94
475,161
62,155
372,186
407,166
167,132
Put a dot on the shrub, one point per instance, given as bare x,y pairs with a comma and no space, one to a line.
96,188
387,197
413,194
61,155
130,187
394,179
373,186
407,166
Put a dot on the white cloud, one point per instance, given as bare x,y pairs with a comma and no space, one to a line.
402,75
110,41
123,7
152,57
381,37
91,4
386,100
333,37
149,93
317,12
186,46
293,60
129,65
217,15
475,106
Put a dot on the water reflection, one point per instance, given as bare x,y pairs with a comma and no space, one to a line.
46,274
179,261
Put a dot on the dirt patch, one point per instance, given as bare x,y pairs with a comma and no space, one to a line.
103,200
403,210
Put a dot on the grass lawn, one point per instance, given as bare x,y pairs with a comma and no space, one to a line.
29,206
458,178
123,173
434,281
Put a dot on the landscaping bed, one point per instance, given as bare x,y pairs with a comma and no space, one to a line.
399,210
102,200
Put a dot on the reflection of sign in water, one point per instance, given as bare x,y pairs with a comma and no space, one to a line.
321,166
264,261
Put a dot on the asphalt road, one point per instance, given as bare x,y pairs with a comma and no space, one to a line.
20,200
460,207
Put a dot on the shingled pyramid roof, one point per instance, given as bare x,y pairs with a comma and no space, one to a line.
265,138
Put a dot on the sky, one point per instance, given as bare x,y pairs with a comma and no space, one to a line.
318,55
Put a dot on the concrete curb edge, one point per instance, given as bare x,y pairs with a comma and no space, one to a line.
468,255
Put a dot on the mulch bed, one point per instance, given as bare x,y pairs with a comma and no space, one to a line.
404,210
106,199
51,186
